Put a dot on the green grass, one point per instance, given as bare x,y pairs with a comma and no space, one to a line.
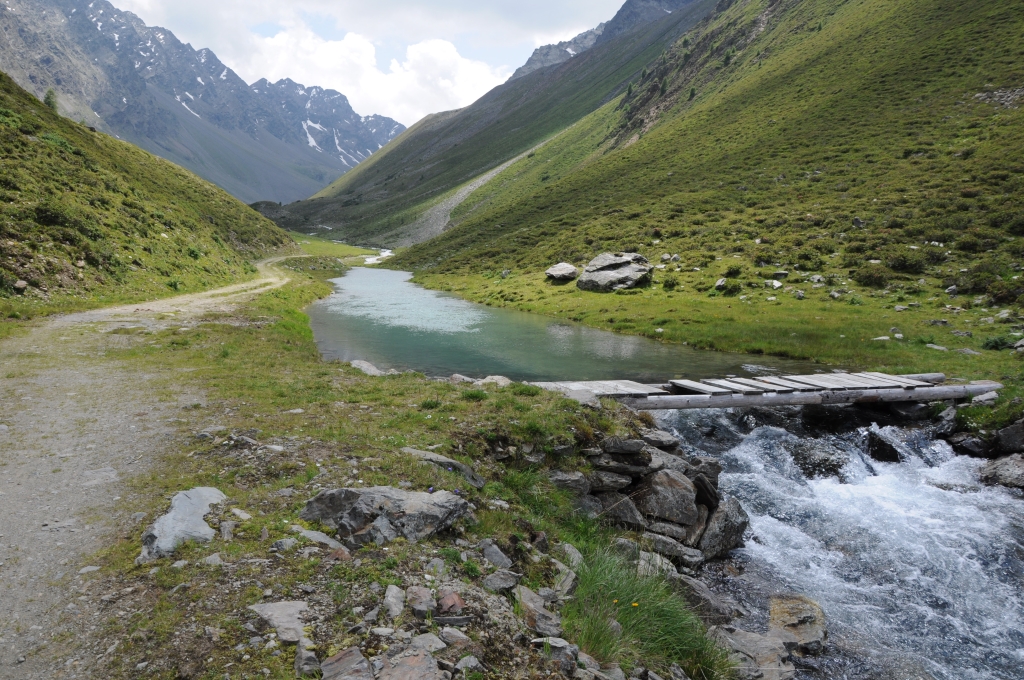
322,247
87,220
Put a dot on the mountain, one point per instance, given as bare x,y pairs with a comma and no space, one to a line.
551,55
382,201
272,141
876,144
88,219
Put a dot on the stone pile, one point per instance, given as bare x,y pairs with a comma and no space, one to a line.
672,500
610,272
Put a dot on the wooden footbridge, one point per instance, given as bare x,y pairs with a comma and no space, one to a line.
790,390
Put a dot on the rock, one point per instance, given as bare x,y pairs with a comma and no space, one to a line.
710,467
410,666
800,619
621,510
435,567
470,663
283,617
455,637
676,673
670,495
493,554
449,602
213,560
602,480
986,399
537,618
499,380
317,537
414,515
573,556
563,271
306,663
969,352
611,673
720,284
653,564
882,448
563,653
713,609
180,564
937,347
952,290
671,530
566,581
725,529
372,615
818,458
379,532
459,379
501,580
967,444
707,494
441,461
428,642
660,439
420,601
184,522
227,530
367,368
284,544
773,284
618,466
756,656
690,558
241,514
589,506
573,481
608,272
394,601
88,570
347,665
584,398
1008,471
621,446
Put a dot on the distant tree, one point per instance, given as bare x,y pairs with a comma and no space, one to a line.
643,75
664,87
51,100
686,42
693,93
629,90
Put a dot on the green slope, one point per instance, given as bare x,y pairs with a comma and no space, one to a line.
446,150
86,219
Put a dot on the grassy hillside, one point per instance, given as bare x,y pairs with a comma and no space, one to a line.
446,150
876,144
86,219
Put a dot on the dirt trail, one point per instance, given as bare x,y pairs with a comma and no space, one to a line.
74,422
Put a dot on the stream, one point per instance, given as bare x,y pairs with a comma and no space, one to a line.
918,567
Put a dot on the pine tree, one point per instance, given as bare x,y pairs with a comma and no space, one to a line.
51,100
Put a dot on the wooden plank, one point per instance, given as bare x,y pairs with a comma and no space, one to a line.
879,396
767,387
699,388
734,386
909,382
816,381
856,383
881,382
636,387
789,384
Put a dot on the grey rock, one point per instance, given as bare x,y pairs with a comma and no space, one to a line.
626,547
455,637
660,439
968,444
566,581
227,530
668,529
372,615
421,601
602,480
284,544
180,564
690,558
707,494
367,368
616,464
670,495
306,663
818,458
676,673
435,567
799,622
573,481
720,284
1011,439
417,665
394,601
707,466
622,446
449,602
563,271
493,554
349,664
572,555
584,398
317,537
428,642
589,506
882,447
712,608
441,461
537,618
213,560
563,653
620,509
608,272
725,529
184,522
284,617
380,532
469,663
1008,471
88,570
611,673
501,581
589,662
414,515
653,564
757,657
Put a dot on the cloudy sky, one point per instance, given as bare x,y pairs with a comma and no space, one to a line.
399,58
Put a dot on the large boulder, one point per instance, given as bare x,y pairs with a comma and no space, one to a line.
1011,439
412,514
725,529
669,495
183,522
1008,471
349,664
537,618
799,622
756,657
563,271
608,272
619,509
576,482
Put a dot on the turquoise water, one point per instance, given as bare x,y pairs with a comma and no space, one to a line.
377,315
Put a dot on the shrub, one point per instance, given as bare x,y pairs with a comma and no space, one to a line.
905,260
872,276
733,271
51,100
671,282
997,343
430,404
1003,292
732,288
475,395
524,390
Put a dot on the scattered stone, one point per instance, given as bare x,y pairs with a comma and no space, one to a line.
283,617
563,271
428,642
213,560
937,347
241,514
608,272
620,446
449,602
720,284
537,618
394,601
180,564
501,581
602,480
493,554
660,439
573,556
454,637
756,656
986,399
565,583
227,530
284,544
411,666
621,510
414,515
435,567
470,663
713,609
287,492
725,529
421,601
773,284
584,398
588,506
563,653
370,616
1011,439
670,495
967,444
306,663
675,673
20,286
799,622
367,368
317,537
882,448
347,665
441,461
653,564
573,481
184,522
690,558
88,570
499,380
1008,471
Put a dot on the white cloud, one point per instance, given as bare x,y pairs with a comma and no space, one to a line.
442,54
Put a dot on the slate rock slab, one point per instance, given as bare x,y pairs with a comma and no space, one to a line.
725,529
1008,471
415,666
413,515
421,601
621,510
563,271
608,272
576,482
691,558
284,617
347,665
394,601
756,656
501,581
799,622
184,522
537,618
670,495
443,461
494,555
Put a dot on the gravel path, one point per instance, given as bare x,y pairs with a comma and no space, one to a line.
73,424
